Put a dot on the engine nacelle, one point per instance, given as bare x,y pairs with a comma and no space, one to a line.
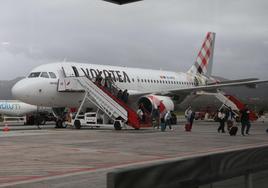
152,101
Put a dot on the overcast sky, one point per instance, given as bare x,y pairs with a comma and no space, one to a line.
156,34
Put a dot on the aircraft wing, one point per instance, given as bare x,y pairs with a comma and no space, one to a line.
233,81
214,87
211,88
121,2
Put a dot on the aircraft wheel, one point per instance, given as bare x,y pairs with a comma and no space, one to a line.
117,125
64,125
77,124
58,124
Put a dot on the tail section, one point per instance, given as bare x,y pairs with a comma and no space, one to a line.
204,60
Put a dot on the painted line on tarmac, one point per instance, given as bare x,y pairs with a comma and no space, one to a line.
103,168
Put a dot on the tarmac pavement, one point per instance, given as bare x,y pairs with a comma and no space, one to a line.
51,157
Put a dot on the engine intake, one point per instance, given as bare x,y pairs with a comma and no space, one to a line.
152,101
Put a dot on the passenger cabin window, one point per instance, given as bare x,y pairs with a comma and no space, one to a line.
52,75
44,75
34,75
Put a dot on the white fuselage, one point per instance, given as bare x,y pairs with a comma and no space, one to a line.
40,89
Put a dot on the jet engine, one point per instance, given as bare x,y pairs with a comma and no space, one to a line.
153,101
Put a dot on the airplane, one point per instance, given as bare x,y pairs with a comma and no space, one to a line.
16,108
147,86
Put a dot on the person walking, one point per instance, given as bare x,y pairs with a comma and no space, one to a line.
231,127
230,117
191,120
188,113
244,114
168,120
162,121
156,117
221,117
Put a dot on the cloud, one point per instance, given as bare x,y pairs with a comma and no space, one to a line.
150,34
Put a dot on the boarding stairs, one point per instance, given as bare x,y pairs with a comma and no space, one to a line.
240,106
103,98
230,101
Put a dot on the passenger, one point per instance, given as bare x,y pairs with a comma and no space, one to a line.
230,118
191,120
140,114
125,96
156,117
99,78
232,129
221,117
245,120
141,106
168,120
261,116
187,112
109,82
162,121
119,94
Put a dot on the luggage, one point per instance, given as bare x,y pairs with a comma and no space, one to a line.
187,127
163,126
233,131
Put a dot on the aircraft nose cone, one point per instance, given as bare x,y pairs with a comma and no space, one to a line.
19,91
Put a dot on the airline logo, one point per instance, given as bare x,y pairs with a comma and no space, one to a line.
202,60
9,106
120,76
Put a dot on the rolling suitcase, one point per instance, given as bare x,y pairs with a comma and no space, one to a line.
163,126
187,127
233,131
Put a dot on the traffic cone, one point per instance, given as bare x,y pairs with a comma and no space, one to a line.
6,128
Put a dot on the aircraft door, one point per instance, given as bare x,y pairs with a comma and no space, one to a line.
68,71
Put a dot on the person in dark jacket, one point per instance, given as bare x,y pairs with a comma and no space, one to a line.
125,96
156,117
244,114
119,94
221,117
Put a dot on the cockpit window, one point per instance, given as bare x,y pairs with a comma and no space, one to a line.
52,75
34,74
44,75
